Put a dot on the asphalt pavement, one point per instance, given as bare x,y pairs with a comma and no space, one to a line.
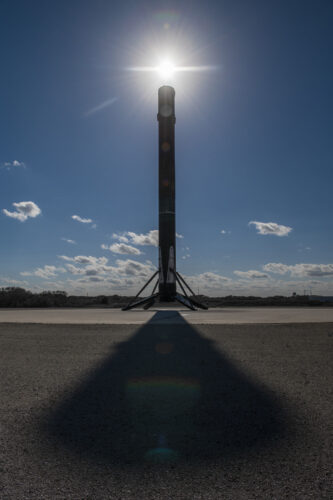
166,410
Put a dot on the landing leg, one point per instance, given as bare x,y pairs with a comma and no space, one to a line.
139,302
147,300
194,302
185,301
149,304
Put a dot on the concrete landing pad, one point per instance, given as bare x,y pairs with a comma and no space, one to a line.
218,316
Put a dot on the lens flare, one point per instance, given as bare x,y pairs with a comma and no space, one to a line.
175,61
166,69
168,72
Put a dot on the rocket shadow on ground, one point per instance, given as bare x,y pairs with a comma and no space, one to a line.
166,394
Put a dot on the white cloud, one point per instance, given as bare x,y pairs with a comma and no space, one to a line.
213,277
87,265
122,248
120,237
208,283
74,270
92,271
187,256
130,267
251,274
72,242
24,210
44,272
113,282
93,275
10,164
150,238
276,267
312,270
300,270
88,269
85,259
215,285
11,282
81,219
271,228
64,257
223,231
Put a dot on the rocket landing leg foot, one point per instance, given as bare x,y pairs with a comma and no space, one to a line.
149,304
186,301
149,301
180,280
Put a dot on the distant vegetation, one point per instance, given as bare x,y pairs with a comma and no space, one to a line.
18,297
276,300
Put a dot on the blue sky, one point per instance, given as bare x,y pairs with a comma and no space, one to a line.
78,137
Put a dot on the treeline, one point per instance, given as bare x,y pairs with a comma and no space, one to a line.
277,300
19,297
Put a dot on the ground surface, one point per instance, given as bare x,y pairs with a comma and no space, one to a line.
220,316
166,410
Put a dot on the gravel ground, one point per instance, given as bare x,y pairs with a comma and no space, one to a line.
172,411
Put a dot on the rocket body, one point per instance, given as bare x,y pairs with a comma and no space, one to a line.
167,224
167,275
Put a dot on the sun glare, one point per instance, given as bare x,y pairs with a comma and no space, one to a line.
166,70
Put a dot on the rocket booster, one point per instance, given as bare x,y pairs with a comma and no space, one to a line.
167,225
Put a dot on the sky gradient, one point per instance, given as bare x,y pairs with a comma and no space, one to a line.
78,144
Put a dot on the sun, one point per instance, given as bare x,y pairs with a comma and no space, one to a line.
166,70
169,71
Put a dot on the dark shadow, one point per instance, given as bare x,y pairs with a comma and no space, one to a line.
166,394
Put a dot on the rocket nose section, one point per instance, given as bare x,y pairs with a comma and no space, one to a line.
166,90
166,102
